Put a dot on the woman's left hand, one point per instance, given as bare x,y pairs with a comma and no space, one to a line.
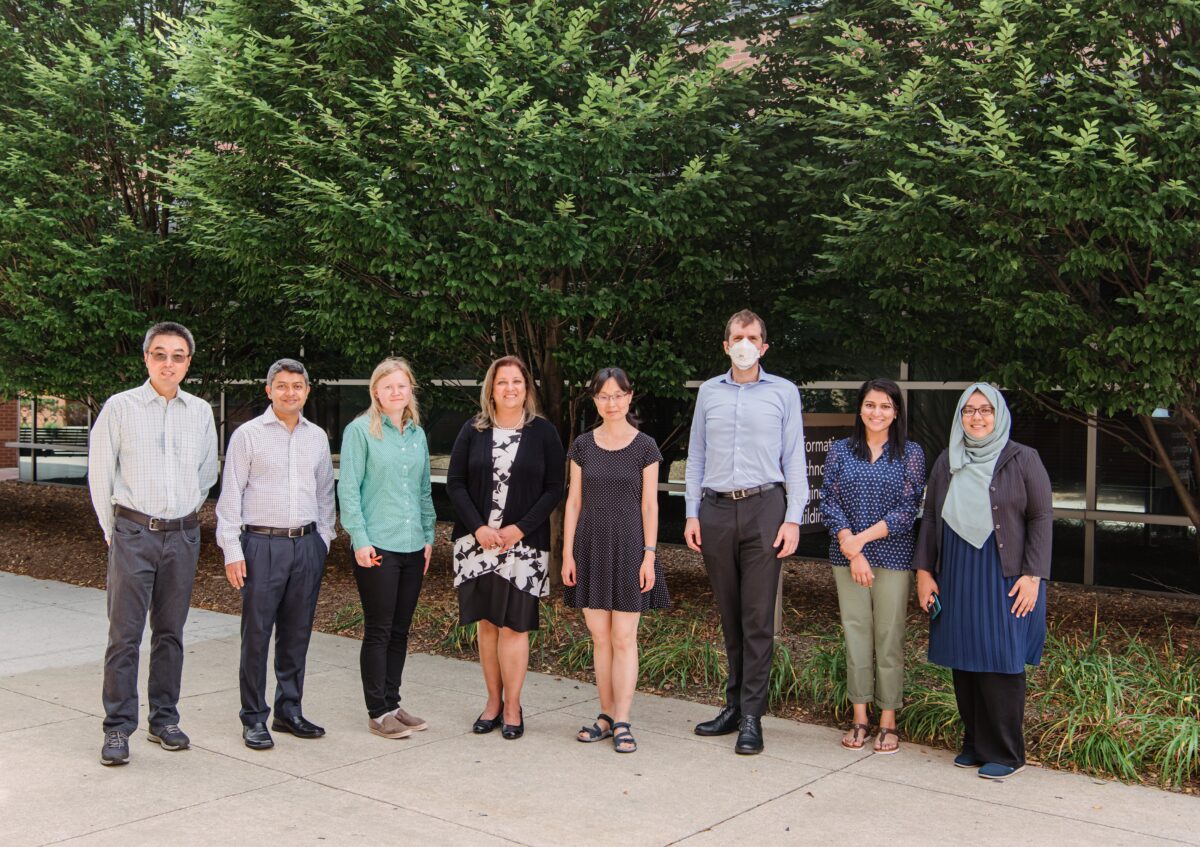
646,575
851,546
509,536
428,556
1026,589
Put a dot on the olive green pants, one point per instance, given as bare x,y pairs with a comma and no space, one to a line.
873,620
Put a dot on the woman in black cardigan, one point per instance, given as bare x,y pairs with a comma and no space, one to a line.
505,479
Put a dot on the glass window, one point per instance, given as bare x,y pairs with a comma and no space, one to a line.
1127,481
1146,556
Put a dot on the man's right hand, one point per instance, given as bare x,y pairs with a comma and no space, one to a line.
235,572
691,533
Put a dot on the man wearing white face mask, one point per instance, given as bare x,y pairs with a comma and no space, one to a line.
746,489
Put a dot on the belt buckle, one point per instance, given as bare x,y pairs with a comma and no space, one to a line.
295,532
156,525
739,494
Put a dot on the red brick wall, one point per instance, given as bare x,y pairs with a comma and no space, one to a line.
8,432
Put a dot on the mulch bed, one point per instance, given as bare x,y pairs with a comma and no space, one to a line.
50,532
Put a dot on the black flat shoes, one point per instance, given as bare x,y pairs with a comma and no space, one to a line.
513,731
483,726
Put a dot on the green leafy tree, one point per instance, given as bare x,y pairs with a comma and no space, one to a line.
451,180
89,251
1018,192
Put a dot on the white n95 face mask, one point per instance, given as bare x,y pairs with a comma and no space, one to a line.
743,354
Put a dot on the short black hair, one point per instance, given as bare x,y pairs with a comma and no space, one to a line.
169,328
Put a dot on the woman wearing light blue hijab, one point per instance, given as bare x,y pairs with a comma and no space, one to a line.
982,556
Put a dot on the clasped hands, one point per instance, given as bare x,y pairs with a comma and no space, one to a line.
852,548
500,540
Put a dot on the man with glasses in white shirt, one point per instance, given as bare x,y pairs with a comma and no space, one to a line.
152,457
275,522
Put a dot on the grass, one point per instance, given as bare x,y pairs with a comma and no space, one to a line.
1106,702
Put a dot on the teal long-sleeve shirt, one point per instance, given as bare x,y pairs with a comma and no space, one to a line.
383,487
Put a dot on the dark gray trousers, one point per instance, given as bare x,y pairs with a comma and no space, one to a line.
154,572
283,579
736,537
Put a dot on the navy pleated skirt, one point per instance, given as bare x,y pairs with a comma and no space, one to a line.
976,630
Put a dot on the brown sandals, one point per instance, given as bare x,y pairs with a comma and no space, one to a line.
881,742
858,736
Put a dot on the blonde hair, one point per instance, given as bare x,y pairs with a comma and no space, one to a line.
486,418
412,412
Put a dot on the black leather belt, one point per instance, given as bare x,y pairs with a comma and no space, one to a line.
741,493
283,532
157,524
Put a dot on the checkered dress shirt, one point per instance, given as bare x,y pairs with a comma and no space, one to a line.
152,456
275,478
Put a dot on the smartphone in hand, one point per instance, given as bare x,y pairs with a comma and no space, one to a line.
935,608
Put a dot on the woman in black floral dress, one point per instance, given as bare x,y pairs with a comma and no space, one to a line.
504,481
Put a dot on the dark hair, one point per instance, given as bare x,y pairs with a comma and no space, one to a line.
623,382
745,317
897,432
286,366
168,328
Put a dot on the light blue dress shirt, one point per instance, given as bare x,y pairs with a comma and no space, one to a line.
745,435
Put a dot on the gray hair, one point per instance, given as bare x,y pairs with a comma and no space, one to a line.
289,365
169,328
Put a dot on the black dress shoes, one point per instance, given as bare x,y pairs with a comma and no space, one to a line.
257,737
723,724
296,725
513,731
749,740
483,726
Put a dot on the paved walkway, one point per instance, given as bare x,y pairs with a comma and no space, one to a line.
446,786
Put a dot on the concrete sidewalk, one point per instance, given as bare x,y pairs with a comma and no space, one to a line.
447,786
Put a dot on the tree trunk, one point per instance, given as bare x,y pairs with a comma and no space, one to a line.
552,405
1186,497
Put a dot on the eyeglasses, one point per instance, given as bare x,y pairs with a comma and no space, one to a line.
612,398
982,411
177,358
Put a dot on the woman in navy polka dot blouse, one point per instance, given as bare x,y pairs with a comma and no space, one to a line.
873,483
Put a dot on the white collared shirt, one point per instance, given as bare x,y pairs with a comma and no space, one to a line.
151,455
275,478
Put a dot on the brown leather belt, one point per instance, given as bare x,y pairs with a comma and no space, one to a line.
282,532
741,493
157,524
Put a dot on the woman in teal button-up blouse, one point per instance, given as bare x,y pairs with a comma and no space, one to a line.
387,508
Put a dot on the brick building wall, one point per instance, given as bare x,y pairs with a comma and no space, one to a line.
8,432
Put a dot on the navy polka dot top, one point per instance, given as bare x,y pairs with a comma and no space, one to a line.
857,494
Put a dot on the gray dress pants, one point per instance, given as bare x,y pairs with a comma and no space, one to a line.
736,537
147,572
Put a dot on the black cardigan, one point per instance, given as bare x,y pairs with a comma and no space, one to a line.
1021,506
535,486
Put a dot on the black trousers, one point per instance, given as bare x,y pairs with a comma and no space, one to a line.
992,707
736,537
147,572
389,597
283,580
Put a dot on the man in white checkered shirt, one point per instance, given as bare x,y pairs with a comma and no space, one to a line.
152,457
275,522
